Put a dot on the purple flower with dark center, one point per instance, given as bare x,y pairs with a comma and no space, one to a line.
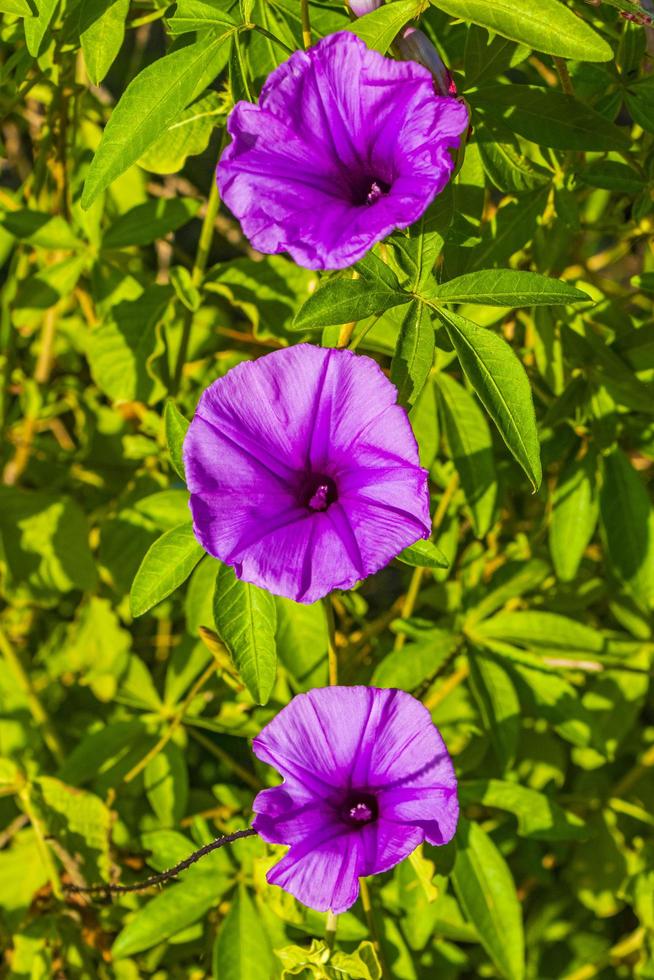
344,147
304,472
367,778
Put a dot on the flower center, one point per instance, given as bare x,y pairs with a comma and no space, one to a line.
319,492
359,808
368,190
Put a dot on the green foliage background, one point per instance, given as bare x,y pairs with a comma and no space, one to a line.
126,289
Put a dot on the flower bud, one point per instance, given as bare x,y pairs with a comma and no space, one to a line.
413,45
361,7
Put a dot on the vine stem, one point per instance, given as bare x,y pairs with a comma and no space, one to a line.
418,573
306,23
332,656
372,927
165,875
197,275
564,75
38,712
174,725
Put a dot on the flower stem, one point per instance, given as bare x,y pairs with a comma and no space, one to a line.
37,710
197,275
332,656
330,929
306,23
372,927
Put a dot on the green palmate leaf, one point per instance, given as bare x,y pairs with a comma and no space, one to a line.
170,912
146,222
538,817
176,428
380,27
342,300
507,287
40,229
423,554
471,447
550,118
242,948
198,15
246,618
627,518
168,563
414,353
499,705
486,892
501,382
547,26
101,31
575,509
150,103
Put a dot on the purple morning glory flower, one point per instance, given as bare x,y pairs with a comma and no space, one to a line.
344,147
367,778
304,472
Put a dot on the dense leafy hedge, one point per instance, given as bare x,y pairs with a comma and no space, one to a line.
126,290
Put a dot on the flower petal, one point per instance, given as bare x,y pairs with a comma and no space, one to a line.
384,844
322,875
287,815
434,809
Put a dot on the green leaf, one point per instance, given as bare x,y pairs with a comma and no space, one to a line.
122,349
79,820
627,519
575,509
501,382
380,27
547,26
167,564
147,222
471,448
537,629
242,950
504,162
538,817
186,135
414,353
36,26
101,31
487,895
166,784
44,545
170,912
150,103
417,661
423,554
343,300
507,287
498,703
550,118
362,964
176,428
198,15
246,619
40,229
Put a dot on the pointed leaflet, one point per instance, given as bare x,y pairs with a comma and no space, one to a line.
176,428
149,104
547,26
471,448
246,619
507,287
342,300
379,28
168,563
574,516
501,382
487,895
414,353
627,519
